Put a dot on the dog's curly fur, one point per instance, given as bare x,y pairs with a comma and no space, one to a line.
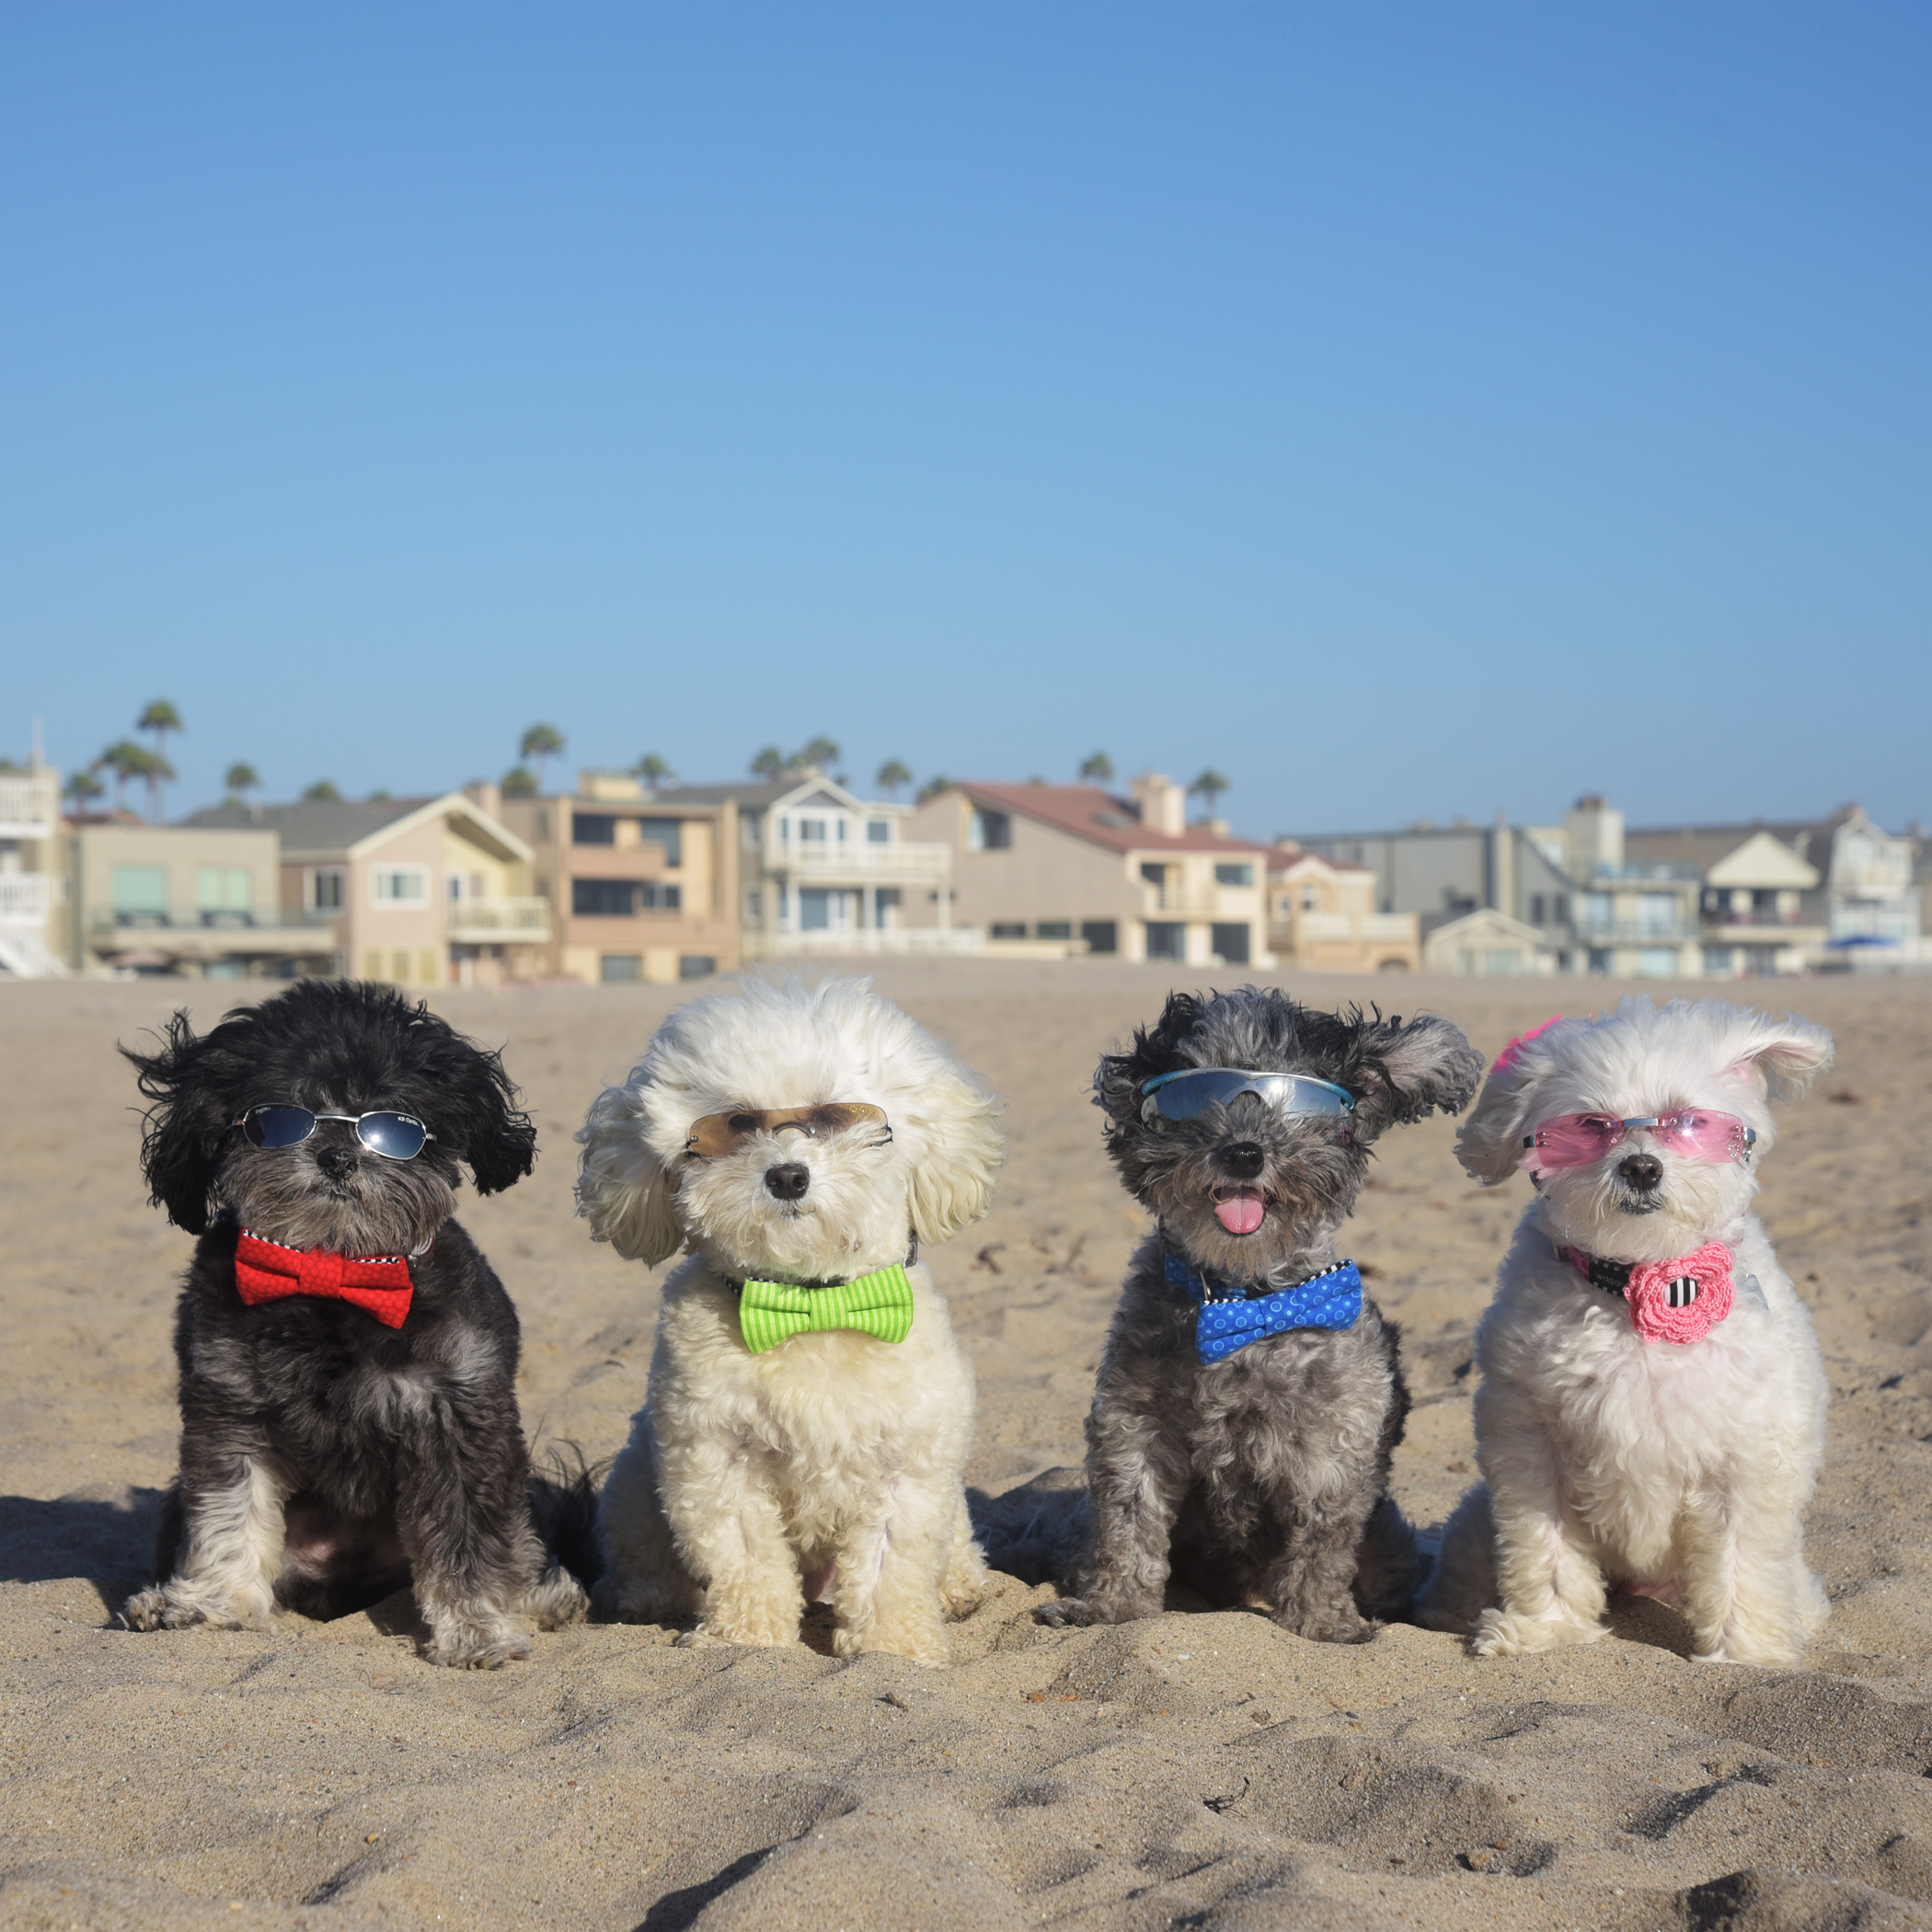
1677,1471
828,1466
1262,1478
326,1459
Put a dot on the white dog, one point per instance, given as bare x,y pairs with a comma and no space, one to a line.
794,1141
1651,1409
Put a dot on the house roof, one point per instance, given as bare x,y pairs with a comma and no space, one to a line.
1763,860
1281,863
332,828
1085,811
758,795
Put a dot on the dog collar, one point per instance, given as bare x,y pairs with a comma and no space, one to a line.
379,1284
1679,1301
1229,1318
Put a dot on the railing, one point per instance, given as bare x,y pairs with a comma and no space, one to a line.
25,898
1164,901
191,918
1353,925
1733,917
519,922
29,805
861,859
1631,932
891,939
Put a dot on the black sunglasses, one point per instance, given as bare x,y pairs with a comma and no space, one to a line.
399,1137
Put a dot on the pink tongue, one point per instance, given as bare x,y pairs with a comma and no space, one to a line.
1239,1214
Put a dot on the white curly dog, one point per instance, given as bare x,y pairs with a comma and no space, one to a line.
1652,1411
801,1146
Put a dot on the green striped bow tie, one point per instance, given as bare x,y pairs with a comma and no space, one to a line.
878,1304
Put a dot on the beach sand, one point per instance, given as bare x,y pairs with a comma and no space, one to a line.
1192,1769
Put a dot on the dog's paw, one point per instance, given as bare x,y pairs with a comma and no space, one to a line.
923,1642
472,1639
769,1627
1506,1633
171,1606
1069,1613
1331,1626
963,1589
145,1610
557,1598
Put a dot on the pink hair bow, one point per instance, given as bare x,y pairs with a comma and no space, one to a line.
1512,1053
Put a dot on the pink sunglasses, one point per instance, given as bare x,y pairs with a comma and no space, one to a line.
1574,1140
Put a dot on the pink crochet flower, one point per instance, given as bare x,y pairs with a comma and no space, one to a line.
1654,1284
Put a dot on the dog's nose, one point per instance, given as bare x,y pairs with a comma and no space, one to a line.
1642,1171
788,1180
337,1163
1243,1160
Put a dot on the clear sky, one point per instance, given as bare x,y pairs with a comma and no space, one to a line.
1406,411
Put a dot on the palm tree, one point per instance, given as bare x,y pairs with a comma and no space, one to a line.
160,718
653,770
821,751
1097,770
124,759
770,765
518,782
321,792
890,775
1208,788
540,743
154,772
82,788
933,786
239,779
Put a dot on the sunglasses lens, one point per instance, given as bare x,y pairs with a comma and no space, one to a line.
1715,1137
277,1126
399,1135
1188,1093
717,1134
1574,1140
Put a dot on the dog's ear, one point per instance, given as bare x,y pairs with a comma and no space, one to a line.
1401,1071
1489,1142
957,1145
1779,1057
1118,1077
185,1129
498,1140
622,1188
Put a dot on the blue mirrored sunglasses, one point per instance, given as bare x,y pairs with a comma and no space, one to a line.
397,1136
1193,1091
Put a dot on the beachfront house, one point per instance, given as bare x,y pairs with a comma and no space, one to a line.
1322,917
35,942
1086,870
639,886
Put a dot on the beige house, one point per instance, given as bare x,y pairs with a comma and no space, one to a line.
1101,874
419,893
1754,911
1322,917
1488,942
637,885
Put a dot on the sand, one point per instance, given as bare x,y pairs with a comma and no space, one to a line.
1193,1769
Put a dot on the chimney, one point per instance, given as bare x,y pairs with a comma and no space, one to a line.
483,793
1594,833
1163,804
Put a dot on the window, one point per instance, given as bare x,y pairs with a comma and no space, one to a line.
1009,929
594,828
1537,907
400,886
1716,962
399,967
1053,929
372,964
1230,944
989,832
1101,935
812,831
223,890
1234,875
429,968
1560,908
1601,957
814,909
658,898
696,966
842,828
750,830
141,895
543,826
1657,914
454,883
754,902
325,890
667,833
620,969
1154,873
1167,939
1309,899
604,898
878,832
1657,962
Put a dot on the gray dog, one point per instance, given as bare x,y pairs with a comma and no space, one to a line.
1249,1397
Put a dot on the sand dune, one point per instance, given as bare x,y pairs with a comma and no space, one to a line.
1194,1769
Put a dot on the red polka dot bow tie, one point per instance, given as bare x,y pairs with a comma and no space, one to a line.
267,1272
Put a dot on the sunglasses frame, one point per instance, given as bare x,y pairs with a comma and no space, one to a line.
315,1119
1153,1113
777,1120
1747,1135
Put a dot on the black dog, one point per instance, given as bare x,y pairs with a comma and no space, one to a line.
348,1425
1240,1443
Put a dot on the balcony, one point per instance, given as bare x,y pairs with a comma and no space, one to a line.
1634,932
188,933
29,805
860,859
1200,901
25,898
498,922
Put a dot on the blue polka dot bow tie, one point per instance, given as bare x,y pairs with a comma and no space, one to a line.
1329,1300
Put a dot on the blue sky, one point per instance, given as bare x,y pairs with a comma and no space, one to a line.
1408,412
